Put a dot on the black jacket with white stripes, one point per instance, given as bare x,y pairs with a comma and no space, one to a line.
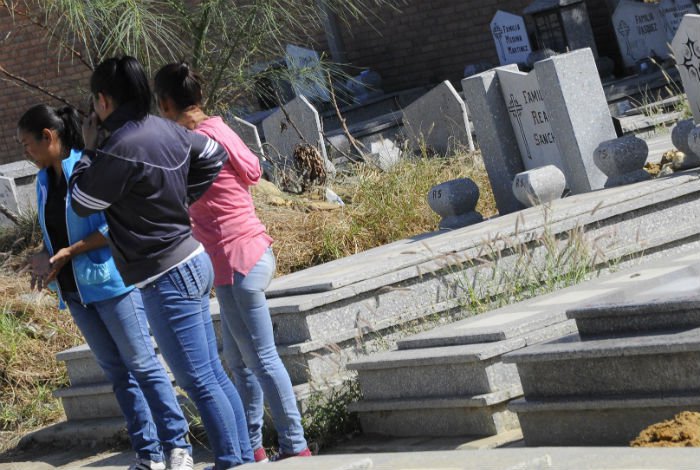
144,175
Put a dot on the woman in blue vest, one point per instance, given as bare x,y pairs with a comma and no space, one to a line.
77,262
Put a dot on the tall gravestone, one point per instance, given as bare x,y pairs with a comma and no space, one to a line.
499,147
686,50
298,123
557,115
307,76
673,11
511,39
249,134
641,31
439,120
530,119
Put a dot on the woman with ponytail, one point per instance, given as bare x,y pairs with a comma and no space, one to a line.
144,174
224,220
77,262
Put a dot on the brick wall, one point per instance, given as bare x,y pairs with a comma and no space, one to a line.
25,51
432,40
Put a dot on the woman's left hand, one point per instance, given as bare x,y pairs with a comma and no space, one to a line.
57,261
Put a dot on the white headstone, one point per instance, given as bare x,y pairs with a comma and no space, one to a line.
439,120
530,119
673,12
510,36
307,76
282,136
249,134
640,30
686,50
8,198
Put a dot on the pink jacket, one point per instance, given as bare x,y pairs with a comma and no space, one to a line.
224,218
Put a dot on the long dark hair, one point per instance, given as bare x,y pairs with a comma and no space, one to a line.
65,121
180,83
125,81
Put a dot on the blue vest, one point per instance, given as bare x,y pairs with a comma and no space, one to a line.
95,273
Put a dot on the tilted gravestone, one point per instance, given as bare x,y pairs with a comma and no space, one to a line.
8,198
308,78
510,36
499,147
640,30
300,125
438,120
249,134
686,50
673,11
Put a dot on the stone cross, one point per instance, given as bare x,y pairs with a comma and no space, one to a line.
641,31
438,120
511,38
686,50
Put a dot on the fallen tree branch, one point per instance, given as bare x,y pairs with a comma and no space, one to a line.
9,214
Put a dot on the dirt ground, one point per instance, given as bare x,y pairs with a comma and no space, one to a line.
681,431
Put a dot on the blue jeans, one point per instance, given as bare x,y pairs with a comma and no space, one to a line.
117,333
250,353
177,306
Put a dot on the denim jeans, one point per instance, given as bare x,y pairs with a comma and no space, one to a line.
177,306
117,333
250,353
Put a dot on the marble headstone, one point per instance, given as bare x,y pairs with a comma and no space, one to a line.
686,50
307,76
439,120
640,30
510,37
8,198
282,136
530,119
673,11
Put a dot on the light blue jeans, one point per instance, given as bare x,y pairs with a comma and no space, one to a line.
250,353
177,306
117,333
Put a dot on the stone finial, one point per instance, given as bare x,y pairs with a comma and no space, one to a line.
694,147
622,160
680,136
455,202
539,186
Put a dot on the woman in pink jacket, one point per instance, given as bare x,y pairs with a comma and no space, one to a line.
224,221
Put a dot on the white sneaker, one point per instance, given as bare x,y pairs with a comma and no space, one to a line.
180,459
144,464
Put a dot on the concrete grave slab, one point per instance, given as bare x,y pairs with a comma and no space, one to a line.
439,121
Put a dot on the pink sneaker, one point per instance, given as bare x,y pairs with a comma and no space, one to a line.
280,456
260,455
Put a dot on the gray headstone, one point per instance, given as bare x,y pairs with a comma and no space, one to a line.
673,11
640,30
495,135
530,119
24,175
438,120
510,35
622,160
249,134
308,78
539,186
579,115
686,50
455,202
8,198
281,136
577,24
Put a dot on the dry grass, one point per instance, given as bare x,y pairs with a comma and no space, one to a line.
381,207
33,330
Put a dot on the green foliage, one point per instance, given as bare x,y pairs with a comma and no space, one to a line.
327,418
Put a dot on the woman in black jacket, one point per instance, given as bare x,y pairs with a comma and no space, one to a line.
143,175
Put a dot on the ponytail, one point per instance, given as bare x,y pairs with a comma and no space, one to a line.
125,81
179,83
65,121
